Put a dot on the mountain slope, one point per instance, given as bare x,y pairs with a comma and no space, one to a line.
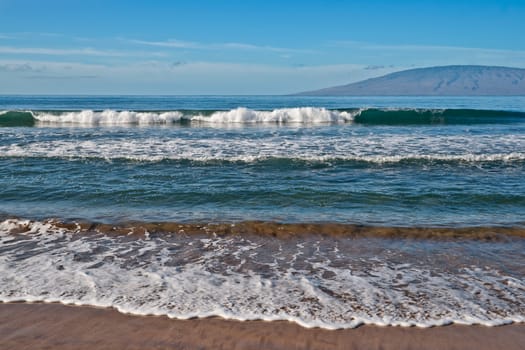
436,81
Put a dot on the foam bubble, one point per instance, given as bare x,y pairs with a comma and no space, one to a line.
28,227
336,283
312,146
108,117
301,115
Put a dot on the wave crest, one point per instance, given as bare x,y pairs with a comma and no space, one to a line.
242,115
109,117
308,115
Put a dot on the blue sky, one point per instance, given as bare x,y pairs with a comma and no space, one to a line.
243,47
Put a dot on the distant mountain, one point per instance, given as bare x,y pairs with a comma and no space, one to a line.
436,81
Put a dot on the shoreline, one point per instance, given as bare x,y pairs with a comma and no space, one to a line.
58,326
274,229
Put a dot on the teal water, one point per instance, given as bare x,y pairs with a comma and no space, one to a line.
377,161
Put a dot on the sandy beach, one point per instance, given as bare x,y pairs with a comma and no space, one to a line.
55,326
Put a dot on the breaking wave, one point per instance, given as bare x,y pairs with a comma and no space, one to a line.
241,115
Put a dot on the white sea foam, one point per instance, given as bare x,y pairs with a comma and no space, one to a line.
313,146
108,117
301,115
244,279
306,115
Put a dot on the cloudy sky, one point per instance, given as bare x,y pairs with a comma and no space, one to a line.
243,47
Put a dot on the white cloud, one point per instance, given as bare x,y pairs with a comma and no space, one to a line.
441,48
242,46
179,77
58,52
169,43
179,44
19,67
74,52
21,35
427,55
35,65
61,77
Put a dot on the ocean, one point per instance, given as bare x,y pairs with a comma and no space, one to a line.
329,212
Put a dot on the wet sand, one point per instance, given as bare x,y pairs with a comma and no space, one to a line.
55,326
282,230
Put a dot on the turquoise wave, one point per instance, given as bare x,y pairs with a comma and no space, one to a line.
374,116
16,118
303,115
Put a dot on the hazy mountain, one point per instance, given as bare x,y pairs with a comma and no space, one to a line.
436,81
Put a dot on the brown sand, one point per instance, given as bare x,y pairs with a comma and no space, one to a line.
289,230
55,326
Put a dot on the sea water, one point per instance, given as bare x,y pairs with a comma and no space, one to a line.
329,212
